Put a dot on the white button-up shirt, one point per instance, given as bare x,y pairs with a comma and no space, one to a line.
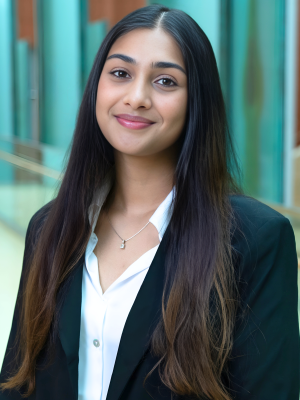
103,315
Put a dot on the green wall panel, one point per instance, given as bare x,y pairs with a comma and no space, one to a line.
6,69
94,33
61,69
22,88
256,87
6,85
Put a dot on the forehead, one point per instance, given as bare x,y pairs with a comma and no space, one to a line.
148,45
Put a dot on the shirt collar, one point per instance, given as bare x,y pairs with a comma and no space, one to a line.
100,196
160,219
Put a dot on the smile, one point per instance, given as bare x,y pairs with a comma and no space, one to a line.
133,122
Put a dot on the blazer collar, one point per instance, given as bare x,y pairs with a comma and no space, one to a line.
139,326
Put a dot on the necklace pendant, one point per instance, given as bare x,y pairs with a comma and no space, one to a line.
122,245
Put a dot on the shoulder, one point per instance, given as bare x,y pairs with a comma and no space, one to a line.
251,216
36,223
40,215
32,235
259,232
248,210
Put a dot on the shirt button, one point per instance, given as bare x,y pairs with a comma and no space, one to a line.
96,343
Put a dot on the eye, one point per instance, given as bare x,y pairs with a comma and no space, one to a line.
167,82
119,73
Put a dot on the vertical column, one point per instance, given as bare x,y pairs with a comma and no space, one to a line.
94,31
225,51
6,69
290,106
257,94
296,151
6,85
60,63
298,80
25,82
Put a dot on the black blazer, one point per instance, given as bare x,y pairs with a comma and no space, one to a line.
264,363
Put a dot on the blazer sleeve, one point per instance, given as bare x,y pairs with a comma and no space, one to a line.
264,363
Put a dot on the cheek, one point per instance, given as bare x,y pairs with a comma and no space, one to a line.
105,99
174,113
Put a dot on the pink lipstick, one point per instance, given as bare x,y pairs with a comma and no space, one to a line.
133,121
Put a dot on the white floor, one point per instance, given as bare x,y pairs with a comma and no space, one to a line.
18,203
11,250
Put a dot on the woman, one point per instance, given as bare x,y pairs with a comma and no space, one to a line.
150,276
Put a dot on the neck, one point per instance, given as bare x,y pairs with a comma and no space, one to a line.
142,182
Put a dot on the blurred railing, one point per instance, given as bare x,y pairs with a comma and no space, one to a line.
29,178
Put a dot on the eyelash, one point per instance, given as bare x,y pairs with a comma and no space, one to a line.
121,77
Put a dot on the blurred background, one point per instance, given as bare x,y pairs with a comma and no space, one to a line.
47,48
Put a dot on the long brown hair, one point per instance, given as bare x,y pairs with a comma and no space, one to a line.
194,336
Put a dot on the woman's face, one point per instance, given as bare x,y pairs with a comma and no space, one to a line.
144,77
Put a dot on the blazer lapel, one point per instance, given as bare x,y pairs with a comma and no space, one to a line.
140,324
69,324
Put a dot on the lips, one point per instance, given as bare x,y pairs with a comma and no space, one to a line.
133,121
134,118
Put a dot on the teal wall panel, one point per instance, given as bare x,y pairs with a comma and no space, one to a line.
6,86
94,33
6,69
61,69
6,170
256,87
205,13
22,79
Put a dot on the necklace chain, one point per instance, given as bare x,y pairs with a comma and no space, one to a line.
124,240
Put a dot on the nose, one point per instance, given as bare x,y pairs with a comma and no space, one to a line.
138,94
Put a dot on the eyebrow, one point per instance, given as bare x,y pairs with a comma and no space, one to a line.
158,64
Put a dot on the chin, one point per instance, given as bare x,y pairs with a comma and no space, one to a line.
131,151
127,144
